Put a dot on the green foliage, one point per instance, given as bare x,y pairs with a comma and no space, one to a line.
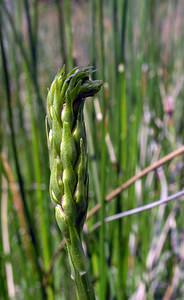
137,50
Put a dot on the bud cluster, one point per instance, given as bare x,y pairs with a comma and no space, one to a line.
67,144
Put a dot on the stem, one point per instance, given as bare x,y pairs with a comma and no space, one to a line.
44,239
79,267
68,29
101,58
61,23
112,195
16,160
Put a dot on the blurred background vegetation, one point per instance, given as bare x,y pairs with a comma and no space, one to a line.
137,49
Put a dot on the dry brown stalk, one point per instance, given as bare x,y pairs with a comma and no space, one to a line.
138,176
17,202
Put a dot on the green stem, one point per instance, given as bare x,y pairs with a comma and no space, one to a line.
68,29
62,35
39,194
16,159
79,267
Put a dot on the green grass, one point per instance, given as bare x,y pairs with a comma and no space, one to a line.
146,40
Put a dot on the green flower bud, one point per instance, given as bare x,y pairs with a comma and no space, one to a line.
66,138
56,183
67,141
